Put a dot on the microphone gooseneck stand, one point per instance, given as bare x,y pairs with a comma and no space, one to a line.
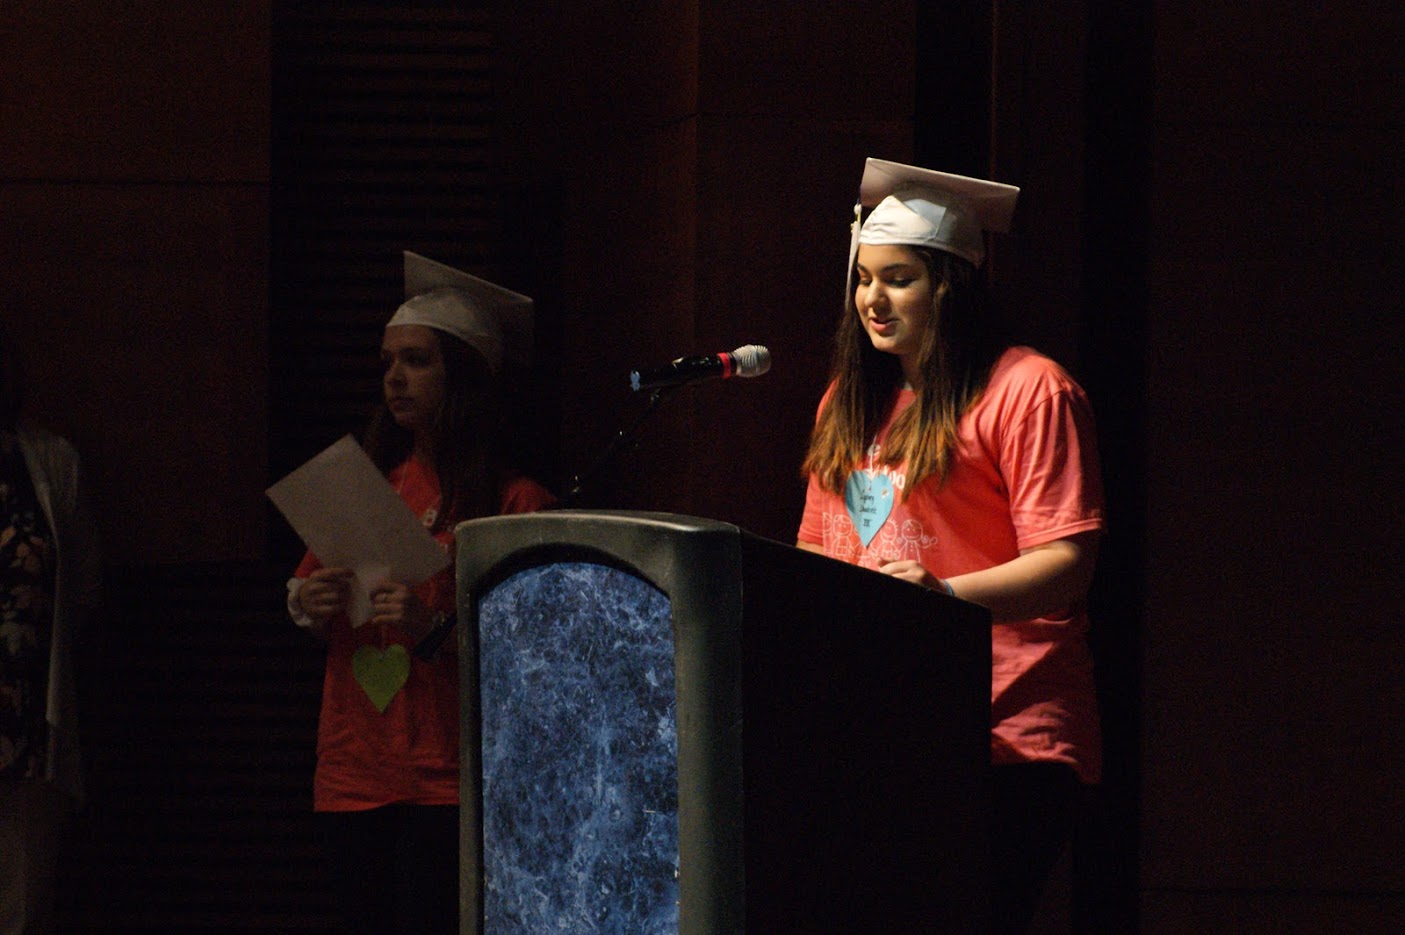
623,439
427,647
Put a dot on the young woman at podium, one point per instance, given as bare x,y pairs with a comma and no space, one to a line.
942,457
387,779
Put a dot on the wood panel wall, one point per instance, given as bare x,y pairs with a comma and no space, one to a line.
1274,745
384,141
200,708
700,161
133,258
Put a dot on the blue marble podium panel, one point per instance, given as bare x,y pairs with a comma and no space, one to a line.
580,754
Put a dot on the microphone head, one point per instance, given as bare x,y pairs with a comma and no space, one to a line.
751,360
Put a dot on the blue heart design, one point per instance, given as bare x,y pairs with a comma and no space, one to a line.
869,499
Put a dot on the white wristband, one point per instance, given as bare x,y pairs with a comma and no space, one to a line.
295,610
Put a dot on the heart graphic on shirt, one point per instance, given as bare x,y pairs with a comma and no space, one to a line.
381,674
869,500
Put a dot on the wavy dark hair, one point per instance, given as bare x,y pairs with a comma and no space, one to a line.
959,348
466,436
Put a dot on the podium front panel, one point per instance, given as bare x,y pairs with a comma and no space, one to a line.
670,726
579,753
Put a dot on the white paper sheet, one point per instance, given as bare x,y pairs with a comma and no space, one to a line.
349,517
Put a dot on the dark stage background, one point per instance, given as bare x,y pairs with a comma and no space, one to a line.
202,208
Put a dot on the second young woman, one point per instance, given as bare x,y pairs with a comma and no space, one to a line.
387,778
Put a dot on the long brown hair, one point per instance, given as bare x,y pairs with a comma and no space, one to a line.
958,349
466,433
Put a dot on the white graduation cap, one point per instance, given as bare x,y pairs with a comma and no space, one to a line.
925,208
494,321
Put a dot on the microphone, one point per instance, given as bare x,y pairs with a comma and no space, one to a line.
750,360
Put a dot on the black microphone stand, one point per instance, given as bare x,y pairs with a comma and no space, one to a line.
617,444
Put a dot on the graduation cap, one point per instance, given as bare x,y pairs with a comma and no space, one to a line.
925,208
494,321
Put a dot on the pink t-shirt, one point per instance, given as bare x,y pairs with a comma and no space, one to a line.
408,753
1026,474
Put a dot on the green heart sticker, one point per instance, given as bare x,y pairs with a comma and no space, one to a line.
381,674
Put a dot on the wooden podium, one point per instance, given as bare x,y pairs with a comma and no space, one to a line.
673,726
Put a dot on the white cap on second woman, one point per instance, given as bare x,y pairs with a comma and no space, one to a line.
494,321
925,208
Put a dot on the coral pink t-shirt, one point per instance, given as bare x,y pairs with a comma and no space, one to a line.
408,753
1026,474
